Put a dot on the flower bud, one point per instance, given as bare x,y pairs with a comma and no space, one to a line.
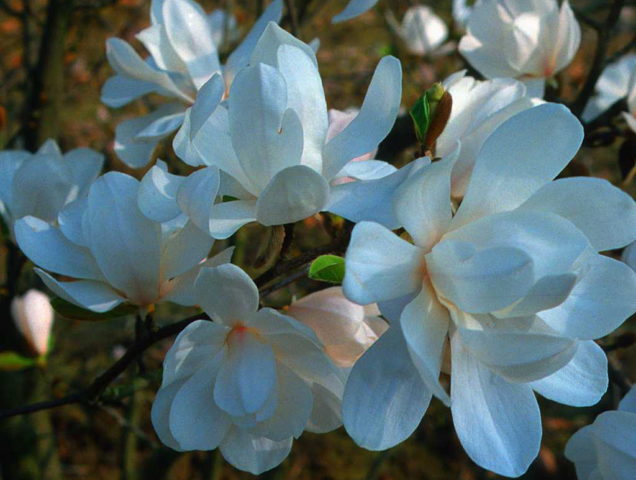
33,316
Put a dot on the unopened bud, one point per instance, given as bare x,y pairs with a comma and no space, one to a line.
33,316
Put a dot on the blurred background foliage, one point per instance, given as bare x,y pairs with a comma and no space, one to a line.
52,67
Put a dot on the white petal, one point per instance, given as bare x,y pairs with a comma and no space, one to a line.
10,161
582,382
599,303
582,449
425,324
253,454
120,90
294,194
380,265
326,413
196,423
47,247
196,195
125,243
70,220
520,156
422,30
247,375
86,164
157,194
385,398
156,41
628,403
89,294
353,9
497,422
161,127
226,293
227,217
273,37
604,213
568,39
374,122
184,249
366,169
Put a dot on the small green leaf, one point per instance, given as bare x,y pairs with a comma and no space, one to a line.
15,361
424,112
327,268
420,113
68,310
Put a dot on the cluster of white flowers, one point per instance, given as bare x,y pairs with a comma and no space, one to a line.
496,281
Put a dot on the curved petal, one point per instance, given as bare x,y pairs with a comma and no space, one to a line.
385,398
160,414
89,294
184,249
326,413
374,122
227,217
157,196
497,422
568,37
253,454
582,382
119,90
605,214
274,37
86,164
353,9
226,293
294,194
196,195
523,154
380,265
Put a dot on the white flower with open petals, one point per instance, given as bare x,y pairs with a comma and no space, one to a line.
510,282
114,252
615,83
271,141
183,42
421,30
41,184
346,329
606,450
33,316
248,383
526,39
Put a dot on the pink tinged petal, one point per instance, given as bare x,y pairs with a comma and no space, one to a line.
119,90
497,422
266,136
580,383
247,375
196,195
385,398
157,197
293,408
294,194
89,294
423,204
480,281
353,9
600,302
374,122
226,293
605,214
227,217
196,422
48,248
425,325
189,33
253,454
523,154
380,265
125,243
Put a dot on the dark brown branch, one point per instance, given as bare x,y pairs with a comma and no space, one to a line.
9,10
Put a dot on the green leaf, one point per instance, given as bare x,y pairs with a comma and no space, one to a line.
69,310
423,111
327,268
15,361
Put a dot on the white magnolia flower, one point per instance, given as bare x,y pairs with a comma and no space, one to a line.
353,9
461,12
421,30
182,41
527,39
479,107
41,184
510,283
33,316
248,383
613,85
271,142
606,450
114,251
346,329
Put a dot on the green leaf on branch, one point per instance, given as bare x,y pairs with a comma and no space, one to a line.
430,113
73,312
10,361
328,268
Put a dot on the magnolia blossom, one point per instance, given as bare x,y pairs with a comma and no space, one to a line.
615,83
461,12
114,252
346,329
248,383
41,184
183,42
630,115
270,140
33,316
606,450
421,30
527,39
353,9
508,286
479,107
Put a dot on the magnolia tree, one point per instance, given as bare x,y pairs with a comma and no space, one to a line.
295,267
